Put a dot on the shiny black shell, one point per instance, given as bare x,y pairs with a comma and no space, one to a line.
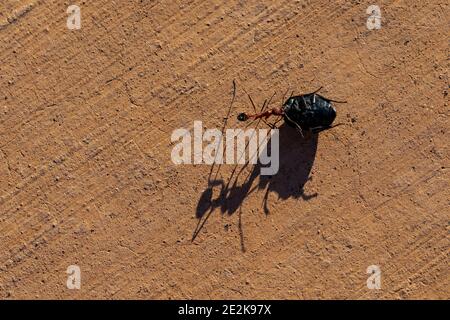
309,111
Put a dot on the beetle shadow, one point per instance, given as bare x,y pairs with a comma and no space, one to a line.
296,158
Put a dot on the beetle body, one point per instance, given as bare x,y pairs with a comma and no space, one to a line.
309,112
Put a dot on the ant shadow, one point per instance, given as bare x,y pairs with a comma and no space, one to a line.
296,158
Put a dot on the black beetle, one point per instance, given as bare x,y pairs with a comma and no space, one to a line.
307,112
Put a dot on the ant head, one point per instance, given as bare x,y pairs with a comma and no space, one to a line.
242,117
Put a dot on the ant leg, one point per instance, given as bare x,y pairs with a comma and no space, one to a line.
317,90
274,124
264,106
336,101
314,97
223,130
251,100
265,200
270,100
296,124
312,92
284,95
254,108
320,129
